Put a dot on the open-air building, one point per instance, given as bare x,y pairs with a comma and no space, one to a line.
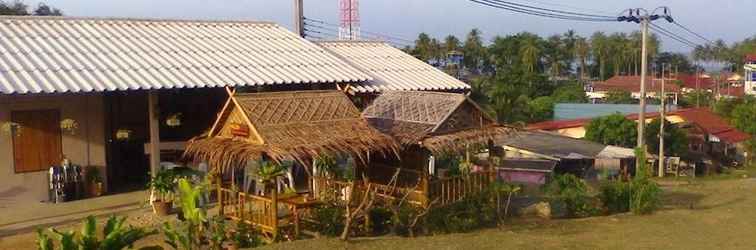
295,126
117,94
433,128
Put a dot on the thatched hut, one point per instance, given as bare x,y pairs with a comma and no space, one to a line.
296,126
429,126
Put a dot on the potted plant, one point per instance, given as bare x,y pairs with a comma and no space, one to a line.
162,186
94,181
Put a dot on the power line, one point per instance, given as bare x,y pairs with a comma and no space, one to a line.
570,7
690,31
672,35
387,37
552,14
553,10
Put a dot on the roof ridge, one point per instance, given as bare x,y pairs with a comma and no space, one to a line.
133,19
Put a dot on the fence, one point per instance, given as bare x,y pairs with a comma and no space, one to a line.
252,209
453,189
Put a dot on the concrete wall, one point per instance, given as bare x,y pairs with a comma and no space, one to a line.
84,146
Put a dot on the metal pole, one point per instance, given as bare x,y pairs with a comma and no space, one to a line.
644,66
299,18
661,127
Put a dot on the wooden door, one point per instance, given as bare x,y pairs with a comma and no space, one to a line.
36,140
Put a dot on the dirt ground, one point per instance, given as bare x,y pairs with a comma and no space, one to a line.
715,213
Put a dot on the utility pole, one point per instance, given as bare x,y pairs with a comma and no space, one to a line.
299,17
698,89
644,19
644,66
661,127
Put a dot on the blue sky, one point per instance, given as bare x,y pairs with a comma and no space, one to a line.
731,20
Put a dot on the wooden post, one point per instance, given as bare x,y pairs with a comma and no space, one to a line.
218,182
154,122
274,213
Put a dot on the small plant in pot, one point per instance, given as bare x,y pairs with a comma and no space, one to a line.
162,185
94,181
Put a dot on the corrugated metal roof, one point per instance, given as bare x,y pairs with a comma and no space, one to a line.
391,68
48,54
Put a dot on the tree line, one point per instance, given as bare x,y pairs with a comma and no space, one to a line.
18,8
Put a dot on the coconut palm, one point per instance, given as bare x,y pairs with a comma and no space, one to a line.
530,53
582,51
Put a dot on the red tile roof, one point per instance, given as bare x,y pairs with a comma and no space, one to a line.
689,81
750,58
704,118
632,84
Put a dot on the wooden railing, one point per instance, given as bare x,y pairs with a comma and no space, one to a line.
339,190
453,189
255,210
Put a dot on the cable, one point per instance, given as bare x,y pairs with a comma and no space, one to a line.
553,10
388,37
571,7
670,34
690,31
541,13
331,31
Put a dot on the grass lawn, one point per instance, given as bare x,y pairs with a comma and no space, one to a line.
697,214
703,213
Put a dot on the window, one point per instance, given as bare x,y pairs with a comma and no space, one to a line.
37,140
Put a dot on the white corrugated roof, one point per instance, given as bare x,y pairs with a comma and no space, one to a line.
391,68
48,54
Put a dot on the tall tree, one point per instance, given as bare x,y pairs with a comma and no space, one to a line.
423,50
582,53
473,50
530,53
451,44
600,46
612,130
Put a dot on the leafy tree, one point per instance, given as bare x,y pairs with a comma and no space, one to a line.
619,97
570,93
693,98
541,109
46,10
473,50
675,139
678,61
451,43
18,8
612,130
423,50
744,116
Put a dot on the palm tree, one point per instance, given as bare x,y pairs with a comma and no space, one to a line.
582,51
451,43
599,42
529,52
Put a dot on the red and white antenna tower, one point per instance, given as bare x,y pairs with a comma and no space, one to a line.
350,19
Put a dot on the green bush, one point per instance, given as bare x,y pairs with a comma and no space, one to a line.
469,214
115,235
615,196
330,220
380,219
646,197
573,193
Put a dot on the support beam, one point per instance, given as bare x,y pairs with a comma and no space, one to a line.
154,121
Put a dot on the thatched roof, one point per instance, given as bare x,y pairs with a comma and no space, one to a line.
299,125
437,121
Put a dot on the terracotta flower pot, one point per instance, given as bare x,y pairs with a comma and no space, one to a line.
95,189
162,208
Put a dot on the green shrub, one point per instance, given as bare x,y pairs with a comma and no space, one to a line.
380,219
471,213
573,193
330,220
646,196
245,236
615,196
115,235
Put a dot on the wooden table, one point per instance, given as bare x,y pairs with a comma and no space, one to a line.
298,204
